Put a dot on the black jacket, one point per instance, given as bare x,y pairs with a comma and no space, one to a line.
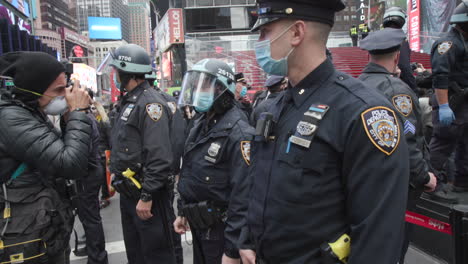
346,179
262,106
406,103
141,138
27,136
215,169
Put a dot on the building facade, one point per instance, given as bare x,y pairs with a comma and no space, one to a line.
103,8
140,26
102,48
56,14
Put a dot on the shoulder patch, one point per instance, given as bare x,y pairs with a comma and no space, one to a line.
245,149
403,104
172,106
155,111
381,126
444,47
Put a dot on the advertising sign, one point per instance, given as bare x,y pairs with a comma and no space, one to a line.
170,29
104,28
414,25
21,5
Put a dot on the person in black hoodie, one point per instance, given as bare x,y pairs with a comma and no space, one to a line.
39,164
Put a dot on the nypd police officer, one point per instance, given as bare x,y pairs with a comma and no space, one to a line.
213,182
450,108
329,163
141,159
384,46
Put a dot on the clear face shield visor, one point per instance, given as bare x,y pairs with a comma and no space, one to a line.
200,90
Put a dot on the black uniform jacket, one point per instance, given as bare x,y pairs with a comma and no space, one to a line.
178,126
406,103
449,59
141,138
262,106
352,178
26,135
215,168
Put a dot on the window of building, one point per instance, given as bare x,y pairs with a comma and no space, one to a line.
224,18
346,18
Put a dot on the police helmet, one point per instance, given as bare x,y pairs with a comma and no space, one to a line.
460,14
131,59
394,16
209,85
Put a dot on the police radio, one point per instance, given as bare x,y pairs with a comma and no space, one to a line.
6,87
264,128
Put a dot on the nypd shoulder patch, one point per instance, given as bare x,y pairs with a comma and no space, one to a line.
444,47
155,111
245,150
381,126
172,106
403,104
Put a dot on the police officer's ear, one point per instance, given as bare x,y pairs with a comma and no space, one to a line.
299,30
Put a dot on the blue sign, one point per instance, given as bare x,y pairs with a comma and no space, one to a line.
21,5
104,28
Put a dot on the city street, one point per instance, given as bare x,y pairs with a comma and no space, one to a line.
116,249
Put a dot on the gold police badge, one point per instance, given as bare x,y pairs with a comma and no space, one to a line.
245,149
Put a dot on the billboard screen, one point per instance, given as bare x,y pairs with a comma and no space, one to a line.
104,28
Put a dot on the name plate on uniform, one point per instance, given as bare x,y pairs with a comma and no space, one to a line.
300,141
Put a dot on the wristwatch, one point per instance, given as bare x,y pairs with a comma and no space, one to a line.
146,197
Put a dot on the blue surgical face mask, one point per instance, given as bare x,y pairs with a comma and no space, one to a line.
116,82
204,102
243,91
264,59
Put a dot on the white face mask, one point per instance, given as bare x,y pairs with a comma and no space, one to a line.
56,106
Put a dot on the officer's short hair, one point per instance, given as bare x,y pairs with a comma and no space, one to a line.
385,56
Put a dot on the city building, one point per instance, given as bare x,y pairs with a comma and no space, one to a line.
51,38
55,14
102,48
219,29
103,8
139,13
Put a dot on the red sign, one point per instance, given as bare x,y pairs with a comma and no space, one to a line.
78,50
170,29
427,222
414,25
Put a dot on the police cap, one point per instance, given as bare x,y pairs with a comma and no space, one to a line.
311,10
273,80
383,41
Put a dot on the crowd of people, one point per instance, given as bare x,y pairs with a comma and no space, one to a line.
318,167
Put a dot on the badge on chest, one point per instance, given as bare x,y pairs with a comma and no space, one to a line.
126,113
213,152
307,127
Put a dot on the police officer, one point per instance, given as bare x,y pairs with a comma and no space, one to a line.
384,46
450,107
241,94
141,159
395,17
178,126
275,85
353,33
213,182
364,30
333,166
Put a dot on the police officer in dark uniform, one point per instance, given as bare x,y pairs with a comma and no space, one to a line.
178,126
275,85
213,182
329,163
141,160
384,46
450,108
395,17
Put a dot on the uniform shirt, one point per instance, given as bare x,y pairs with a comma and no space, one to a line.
406,103
449,61
140,138
215,168
346,181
